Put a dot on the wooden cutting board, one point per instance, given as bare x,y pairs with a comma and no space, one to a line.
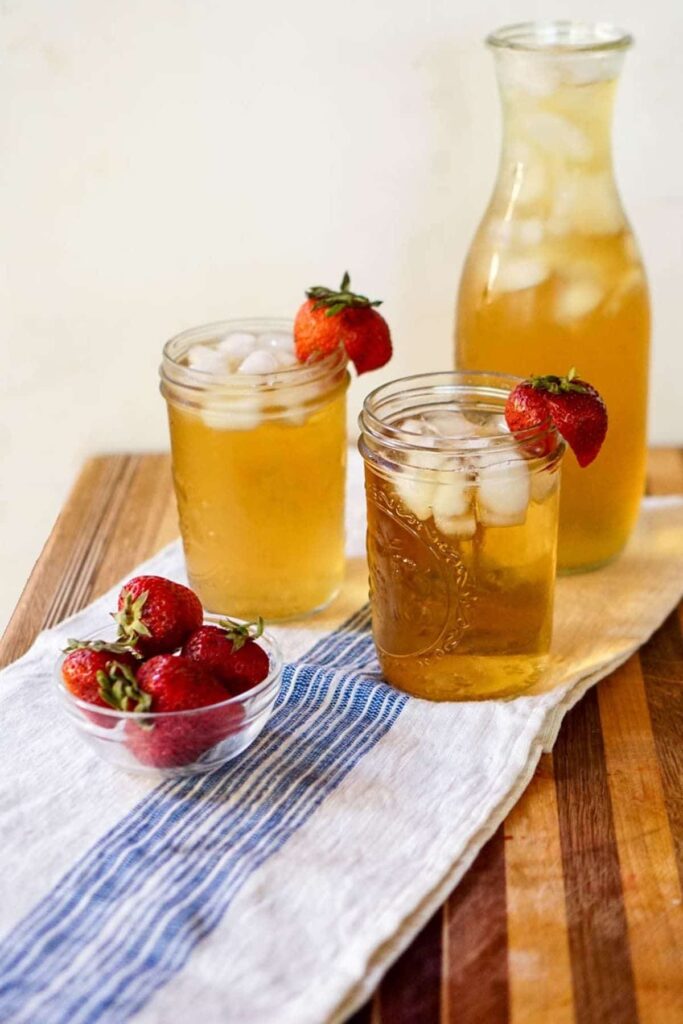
572,912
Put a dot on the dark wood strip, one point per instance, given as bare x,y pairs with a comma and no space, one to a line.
363,1016
661,659
475,963
411,989
602,975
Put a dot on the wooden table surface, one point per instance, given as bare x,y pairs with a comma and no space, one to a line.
572,912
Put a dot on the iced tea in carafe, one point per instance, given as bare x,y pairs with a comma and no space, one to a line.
554,278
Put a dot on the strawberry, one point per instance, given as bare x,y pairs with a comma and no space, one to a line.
103,675
331,318
175,683
573,405
232,654
156,615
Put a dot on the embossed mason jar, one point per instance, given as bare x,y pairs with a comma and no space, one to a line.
259,463
462,536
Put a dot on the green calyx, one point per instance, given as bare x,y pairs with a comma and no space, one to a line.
119,689
110,646
240,632
559,385
334,302
129,618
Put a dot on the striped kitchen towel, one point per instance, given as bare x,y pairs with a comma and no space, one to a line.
278,889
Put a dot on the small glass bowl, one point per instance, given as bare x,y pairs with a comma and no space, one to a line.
174,744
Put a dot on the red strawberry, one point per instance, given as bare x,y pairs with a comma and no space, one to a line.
231,653
175,683
573,405
103,675
156,614
331,318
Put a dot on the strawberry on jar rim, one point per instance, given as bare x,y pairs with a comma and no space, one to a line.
573,405
329,319
230,651
156,615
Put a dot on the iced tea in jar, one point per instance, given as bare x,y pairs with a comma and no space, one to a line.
553,278
462,536
258,444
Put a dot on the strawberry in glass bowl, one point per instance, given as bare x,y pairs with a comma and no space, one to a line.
173,692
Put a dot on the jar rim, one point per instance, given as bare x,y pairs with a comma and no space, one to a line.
560,38
396,398
173,371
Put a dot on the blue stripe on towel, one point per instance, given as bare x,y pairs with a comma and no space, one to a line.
127,916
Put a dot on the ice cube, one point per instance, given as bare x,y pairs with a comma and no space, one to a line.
276,339
530,231
633,279
237,346
503,492
415,494
588,204
543,483
450,423
415,425
259,361
517,274
456,526
526,231
451,495
296,404
576,299
535,78
285,359
528,174
244,413
208,359
558,136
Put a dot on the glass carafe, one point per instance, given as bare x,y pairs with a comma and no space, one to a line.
553,278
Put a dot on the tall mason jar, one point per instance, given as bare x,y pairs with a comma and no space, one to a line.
462,536
259,465
554,278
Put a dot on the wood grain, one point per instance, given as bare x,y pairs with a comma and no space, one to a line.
661,660
410,990
474,938
650,882
572,912
596,919
538,946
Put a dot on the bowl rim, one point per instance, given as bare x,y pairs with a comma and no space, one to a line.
275,657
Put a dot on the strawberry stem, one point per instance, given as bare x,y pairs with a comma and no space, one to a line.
559,385
335,302
119,688
129,618
111,646
240,632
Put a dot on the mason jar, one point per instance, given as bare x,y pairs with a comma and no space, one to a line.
259,469
462,536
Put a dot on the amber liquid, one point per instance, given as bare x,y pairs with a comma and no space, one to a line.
262,510
457,618
554,280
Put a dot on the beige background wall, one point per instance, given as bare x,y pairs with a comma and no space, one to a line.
169,162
